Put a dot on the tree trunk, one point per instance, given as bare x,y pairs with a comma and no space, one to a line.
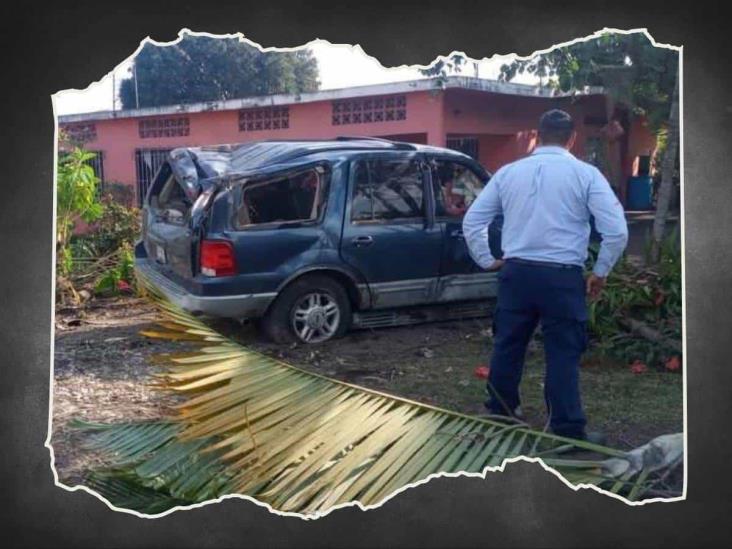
650,334
667,175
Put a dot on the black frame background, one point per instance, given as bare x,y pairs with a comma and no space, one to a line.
66,45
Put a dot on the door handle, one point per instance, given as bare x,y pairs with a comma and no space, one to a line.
362,241
457,233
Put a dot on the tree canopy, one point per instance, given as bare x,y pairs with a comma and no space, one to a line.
201,68
445,66
630,68
633,71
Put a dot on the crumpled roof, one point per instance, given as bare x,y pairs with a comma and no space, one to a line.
216,161
193,164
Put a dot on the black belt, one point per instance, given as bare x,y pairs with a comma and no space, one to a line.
542,263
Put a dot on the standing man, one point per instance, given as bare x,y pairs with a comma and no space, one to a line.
546,200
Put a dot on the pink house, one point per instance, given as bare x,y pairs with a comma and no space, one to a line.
492,121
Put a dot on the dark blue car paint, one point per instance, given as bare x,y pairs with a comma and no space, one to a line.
402,266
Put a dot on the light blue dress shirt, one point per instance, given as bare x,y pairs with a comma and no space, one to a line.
546,200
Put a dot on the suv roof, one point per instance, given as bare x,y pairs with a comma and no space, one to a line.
219,160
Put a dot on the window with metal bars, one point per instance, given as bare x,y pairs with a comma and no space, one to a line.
266,118
369,109
466,145
96,163
147,164
172,126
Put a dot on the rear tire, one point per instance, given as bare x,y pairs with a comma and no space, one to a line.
312,309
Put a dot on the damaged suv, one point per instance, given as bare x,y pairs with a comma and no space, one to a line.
313,237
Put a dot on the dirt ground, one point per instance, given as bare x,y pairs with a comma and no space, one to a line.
103,373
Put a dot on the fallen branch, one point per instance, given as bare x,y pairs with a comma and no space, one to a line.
643,330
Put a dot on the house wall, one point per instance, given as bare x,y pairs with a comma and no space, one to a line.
504,126
497,150
119,138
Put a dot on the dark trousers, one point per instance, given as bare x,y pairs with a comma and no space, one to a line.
527,295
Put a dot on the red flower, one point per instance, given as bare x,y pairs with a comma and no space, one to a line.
123,286
482,372
638,367
673,364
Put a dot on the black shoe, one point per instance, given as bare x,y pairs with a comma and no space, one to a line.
593,437
517,414
596,437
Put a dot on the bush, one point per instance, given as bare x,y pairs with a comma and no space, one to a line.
648,295
119,278
103,258
117,226
76,198
119,193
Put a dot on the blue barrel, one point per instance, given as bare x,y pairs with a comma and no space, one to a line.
640,193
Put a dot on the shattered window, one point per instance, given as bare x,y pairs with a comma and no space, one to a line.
172,201
297,197
386,190
456,187
147,164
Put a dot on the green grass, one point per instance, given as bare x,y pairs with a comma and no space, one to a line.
630,408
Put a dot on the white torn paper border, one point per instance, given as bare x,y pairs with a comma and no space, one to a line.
671,444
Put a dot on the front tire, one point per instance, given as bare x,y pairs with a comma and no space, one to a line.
312,309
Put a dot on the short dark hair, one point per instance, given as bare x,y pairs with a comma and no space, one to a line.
555,126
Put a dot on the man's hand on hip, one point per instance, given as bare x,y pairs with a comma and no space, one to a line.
595,285
496,265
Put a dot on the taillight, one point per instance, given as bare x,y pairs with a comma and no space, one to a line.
217,258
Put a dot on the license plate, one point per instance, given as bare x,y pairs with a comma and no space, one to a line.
160,254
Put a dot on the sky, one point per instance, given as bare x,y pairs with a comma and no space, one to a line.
340,66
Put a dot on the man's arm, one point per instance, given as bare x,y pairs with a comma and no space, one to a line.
609,222
475,224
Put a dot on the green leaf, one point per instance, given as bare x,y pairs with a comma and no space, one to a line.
300,441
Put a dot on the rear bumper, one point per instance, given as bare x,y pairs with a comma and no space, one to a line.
228,306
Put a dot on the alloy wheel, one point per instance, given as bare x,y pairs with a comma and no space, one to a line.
315,317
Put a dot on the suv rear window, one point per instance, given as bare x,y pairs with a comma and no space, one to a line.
386,190
295,197
171,200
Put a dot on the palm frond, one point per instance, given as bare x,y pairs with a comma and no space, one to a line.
302,442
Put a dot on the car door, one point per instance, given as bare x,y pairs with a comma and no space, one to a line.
456,184
388,229
167,231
